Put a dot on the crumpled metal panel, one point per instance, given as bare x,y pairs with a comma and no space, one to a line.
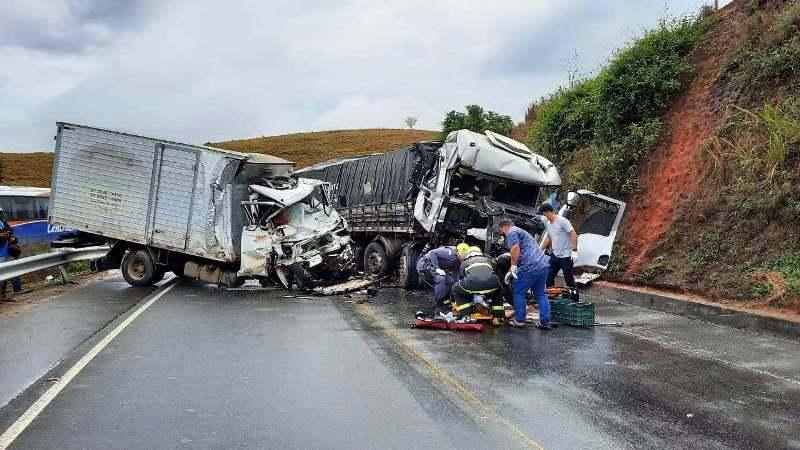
478,153
211,235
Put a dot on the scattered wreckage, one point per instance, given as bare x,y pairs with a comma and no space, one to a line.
401,203
223,217
201,212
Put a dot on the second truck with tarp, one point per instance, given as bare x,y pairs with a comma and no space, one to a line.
400,203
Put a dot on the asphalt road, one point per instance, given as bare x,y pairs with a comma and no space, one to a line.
203,368
35,341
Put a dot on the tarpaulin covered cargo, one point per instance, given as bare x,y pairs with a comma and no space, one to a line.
375,179
153,192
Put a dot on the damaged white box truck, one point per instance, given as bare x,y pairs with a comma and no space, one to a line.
201,212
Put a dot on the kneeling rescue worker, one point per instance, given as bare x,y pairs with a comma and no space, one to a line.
439,269
478,278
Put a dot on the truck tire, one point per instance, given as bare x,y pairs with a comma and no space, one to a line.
302,277
376,261
407,268
139,269
231,281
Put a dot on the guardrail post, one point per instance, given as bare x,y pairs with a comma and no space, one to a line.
64,275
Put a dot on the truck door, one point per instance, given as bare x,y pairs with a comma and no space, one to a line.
173,197
596,218
431,197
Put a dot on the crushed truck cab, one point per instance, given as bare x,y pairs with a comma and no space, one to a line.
293,232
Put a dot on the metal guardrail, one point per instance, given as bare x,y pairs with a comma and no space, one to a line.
22,266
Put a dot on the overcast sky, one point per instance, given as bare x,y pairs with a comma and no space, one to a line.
197,71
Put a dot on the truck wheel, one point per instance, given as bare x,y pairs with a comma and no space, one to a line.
139,269
302,277
376,261
407,268
231,281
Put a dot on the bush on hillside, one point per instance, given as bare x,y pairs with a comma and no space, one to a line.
617,113
770,59
478,120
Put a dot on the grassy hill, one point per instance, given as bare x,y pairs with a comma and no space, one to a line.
34,169
306,149
26,169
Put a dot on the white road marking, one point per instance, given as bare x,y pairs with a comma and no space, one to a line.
28,416
704,355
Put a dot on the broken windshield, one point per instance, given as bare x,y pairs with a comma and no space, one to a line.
472,186
317,201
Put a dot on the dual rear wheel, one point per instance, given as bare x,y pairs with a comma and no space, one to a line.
378,263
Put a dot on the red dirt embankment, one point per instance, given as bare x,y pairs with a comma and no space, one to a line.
672,173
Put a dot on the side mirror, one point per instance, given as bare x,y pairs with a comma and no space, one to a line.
572,198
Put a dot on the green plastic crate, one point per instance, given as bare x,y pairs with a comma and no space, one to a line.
575,314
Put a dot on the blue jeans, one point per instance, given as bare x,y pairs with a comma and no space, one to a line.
531,281
563,264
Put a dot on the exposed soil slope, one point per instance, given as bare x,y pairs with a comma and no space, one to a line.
671,175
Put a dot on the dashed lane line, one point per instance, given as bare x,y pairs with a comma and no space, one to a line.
446,378
28,416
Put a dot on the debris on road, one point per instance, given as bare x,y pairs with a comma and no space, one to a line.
357,284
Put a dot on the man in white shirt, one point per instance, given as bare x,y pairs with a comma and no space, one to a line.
563,240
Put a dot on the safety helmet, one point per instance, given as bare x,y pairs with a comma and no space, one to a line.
462,247
474,249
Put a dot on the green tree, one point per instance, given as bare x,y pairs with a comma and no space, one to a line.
478,120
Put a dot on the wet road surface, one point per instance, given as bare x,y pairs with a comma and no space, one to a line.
34,341
203,368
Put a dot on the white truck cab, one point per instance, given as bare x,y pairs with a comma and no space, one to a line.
294,234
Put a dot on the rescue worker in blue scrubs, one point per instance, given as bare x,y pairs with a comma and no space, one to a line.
528,272
439,268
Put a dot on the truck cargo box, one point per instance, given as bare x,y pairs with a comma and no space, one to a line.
154,192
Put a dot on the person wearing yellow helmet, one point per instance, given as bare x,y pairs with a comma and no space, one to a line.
479,283
462,247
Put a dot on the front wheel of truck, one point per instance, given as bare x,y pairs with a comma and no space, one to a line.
407,267
139,269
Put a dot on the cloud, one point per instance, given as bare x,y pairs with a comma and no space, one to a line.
361,111
66,26
202,70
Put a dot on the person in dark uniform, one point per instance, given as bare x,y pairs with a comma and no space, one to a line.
478,281
439,268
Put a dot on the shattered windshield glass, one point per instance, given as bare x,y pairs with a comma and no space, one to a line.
316,202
